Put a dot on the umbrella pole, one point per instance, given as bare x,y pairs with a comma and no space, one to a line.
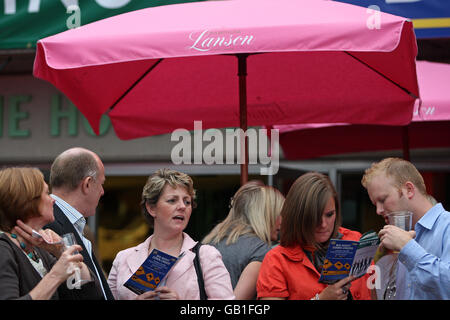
242,73
405,138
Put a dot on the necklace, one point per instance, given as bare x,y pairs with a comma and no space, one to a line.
174,251
32,254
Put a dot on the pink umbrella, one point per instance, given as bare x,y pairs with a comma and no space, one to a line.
158,69
430,127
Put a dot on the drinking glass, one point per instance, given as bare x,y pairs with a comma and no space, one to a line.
401,219
75,280
69,240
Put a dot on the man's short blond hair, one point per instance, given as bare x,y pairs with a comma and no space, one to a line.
399,170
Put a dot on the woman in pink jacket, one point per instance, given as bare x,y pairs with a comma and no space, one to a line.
167,201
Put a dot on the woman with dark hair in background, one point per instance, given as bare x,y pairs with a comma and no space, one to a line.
310,218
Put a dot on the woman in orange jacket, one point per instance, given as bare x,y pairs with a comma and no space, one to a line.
310,218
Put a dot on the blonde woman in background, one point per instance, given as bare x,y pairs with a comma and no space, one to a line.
246,235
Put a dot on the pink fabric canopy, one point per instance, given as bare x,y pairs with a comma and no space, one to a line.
430,127
159,69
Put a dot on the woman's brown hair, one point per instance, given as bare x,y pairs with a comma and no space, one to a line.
155,186
303,208
20,193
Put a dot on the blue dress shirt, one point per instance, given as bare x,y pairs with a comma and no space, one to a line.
426,258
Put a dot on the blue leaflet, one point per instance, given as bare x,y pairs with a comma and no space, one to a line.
150,274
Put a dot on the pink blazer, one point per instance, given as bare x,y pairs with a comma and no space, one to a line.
182,278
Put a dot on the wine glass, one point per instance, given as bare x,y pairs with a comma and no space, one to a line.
75,280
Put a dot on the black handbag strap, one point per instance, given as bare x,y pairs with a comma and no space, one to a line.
198,270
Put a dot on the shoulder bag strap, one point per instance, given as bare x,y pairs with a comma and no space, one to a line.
198,270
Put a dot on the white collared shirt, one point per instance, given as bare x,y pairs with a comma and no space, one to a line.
79,222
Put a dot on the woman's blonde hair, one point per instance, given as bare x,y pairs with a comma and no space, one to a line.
20,194
302,211
253,210
155,185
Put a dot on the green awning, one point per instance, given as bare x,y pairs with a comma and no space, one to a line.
23,22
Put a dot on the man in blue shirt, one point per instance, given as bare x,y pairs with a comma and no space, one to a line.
394,184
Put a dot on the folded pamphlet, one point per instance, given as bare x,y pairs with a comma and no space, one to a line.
347,257
152,272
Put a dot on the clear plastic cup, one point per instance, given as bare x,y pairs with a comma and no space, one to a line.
74,281
401,219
